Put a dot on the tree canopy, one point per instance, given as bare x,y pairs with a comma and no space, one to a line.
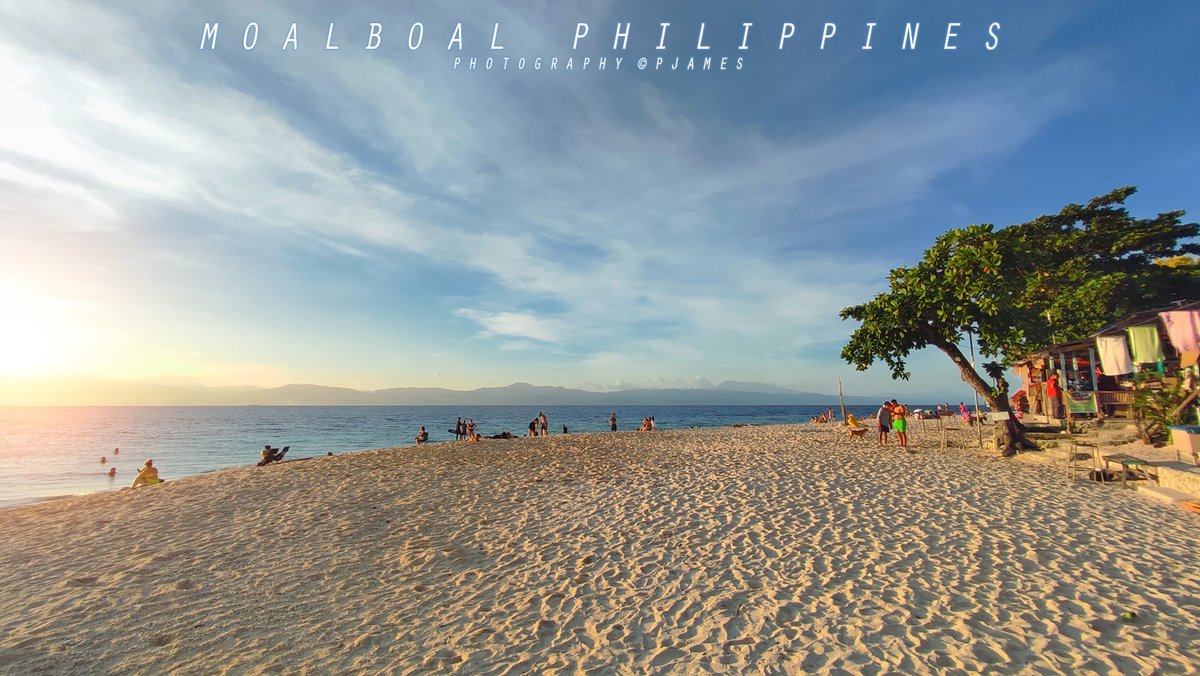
1058,277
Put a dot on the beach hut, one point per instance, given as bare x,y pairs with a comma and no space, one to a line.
1096,374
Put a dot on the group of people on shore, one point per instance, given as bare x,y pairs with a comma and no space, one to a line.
824,417
464,429
947,410
647,424
146,476
539,426
893,416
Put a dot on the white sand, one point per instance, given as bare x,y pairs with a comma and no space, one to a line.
772,549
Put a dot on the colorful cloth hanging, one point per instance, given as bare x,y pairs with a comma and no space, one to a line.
1183,328
1143,342
1114,355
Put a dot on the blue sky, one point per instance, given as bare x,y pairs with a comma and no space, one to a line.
375,218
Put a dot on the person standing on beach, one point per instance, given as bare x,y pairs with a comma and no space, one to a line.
469,429
612,422
458,430
545,423
1053,395
900,422
884,415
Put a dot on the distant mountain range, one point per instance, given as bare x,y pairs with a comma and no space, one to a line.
84,391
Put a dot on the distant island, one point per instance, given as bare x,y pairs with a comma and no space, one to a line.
89,391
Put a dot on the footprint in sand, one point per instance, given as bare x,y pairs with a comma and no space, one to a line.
82,581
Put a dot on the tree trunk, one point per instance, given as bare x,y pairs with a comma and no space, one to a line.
1013,439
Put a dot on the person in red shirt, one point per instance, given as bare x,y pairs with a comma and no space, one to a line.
1053,395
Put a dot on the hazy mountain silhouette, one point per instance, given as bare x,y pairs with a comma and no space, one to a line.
89,391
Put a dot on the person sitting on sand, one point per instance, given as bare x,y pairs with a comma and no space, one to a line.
147,477
422,436
270,455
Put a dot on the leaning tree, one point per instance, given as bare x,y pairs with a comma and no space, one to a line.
1058,277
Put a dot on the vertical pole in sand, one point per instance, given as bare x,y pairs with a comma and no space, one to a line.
842,399
978,422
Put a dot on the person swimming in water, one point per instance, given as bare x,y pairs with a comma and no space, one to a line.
147,477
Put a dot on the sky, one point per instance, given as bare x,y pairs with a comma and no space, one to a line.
376,218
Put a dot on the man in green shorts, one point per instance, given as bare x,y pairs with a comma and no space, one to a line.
900,422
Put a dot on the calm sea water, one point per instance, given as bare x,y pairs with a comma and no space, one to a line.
48,452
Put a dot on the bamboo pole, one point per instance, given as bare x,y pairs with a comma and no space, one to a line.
842,399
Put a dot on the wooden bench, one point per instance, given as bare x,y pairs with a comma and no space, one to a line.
1128,464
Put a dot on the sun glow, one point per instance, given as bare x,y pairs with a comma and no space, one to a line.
37,336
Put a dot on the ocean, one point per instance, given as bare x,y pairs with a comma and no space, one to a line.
48,452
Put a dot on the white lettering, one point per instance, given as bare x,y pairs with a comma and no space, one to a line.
247,43
829,31
495,32
581,31
994,42
789,29
700,39
910,35
745,36
209,36
870,30
456,37
951,34
419,29
291,37
662,38
374,38
329,38
622,36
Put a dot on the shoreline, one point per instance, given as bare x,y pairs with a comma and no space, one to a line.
765,547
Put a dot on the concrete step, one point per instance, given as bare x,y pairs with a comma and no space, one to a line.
1166,494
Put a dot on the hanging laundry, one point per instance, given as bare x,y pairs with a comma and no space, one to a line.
1114,355
1143,342
1183,328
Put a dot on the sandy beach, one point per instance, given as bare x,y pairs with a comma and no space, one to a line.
762,549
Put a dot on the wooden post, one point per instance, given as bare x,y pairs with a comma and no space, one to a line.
1063,393
842,399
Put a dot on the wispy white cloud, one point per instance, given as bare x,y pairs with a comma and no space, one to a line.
642,242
